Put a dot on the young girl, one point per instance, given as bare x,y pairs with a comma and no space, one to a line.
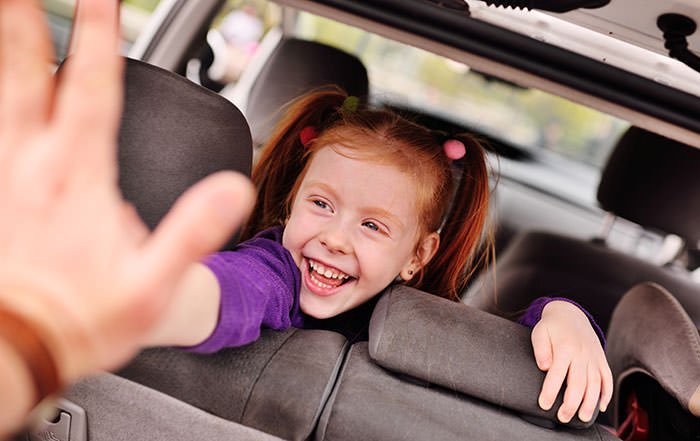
350,201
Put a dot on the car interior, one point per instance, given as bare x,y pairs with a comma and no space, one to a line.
400,384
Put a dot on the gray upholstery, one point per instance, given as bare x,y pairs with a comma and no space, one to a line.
277,384
294,68
174,133
371,403
544,264
121,410
459,348
670,352
655,182
648,179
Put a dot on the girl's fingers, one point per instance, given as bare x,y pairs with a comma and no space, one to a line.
575,388
591,395
90,90
26,84
553,382
607,385
542,347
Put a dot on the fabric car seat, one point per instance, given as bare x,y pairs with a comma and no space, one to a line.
296,67
650,180
654,353
436,369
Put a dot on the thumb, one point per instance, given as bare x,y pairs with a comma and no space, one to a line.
201,220
542,347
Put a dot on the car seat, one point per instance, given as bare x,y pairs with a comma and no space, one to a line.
654,353
296,67
650,180
436,369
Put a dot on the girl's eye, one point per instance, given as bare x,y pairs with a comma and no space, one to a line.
371,225
320,204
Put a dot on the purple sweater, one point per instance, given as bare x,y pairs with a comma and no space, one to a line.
260,284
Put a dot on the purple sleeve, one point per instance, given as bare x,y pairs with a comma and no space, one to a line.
534,313
259,284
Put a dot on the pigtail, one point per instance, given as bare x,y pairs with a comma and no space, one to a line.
463,230
284,157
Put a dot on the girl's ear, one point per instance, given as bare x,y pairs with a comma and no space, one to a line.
425,250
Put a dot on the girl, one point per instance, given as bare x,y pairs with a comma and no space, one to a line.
350,201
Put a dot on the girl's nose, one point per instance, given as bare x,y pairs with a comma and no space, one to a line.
335,240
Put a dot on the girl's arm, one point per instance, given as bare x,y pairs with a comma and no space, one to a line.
193,313
225,300
567,346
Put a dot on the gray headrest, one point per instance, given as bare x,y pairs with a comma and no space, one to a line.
460,348
294,68
174,133
655,182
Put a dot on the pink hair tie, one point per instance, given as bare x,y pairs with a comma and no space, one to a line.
307,135
454,149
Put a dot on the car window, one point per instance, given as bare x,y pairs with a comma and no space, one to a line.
411,77
134,18
235,37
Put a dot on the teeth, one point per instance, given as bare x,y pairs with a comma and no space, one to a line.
319,283
326,272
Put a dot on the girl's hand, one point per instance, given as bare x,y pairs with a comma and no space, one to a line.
75,260
566,346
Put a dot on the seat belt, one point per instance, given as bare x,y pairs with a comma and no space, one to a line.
68,424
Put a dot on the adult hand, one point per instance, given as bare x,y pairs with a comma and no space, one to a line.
567,347
75,260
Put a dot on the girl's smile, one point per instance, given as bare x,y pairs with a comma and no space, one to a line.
353,228
324,280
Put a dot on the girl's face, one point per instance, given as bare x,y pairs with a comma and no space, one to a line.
353,228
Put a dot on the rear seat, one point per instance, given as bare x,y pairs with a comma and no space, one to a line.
277,385
434,369
652,181
649,180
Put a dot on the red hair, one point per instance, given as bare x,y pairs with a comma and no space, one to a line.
459,214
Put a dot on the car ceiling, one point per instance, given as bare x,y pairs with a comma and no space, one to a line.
634,21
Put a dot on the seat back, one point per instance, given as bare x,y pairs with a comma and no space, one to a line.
649,179
174,133
277,385
434,369
294,68
652,338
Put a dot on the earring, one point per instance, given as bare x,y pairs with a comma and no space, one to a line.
410,272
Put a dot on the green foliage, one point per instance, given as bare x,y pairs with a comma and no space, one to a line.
147,5
529,118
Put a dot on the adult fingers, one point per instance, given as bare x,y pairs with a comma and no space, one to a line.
26,85
591,395
553,381
575,388
199,223
542,347
90,92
